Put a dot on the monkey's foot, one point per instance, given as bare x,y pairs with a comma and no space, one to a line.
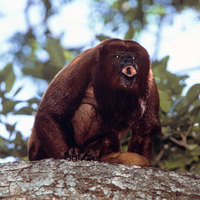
126,158
75,154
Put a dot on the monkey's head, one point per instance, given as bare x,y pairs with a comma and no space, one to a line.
123,63
120,77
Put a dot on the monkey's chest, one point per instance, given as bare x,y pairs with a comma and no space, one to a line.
89,123
86,123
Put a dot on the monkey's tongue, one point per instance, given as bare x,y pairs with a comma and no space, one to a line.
129,71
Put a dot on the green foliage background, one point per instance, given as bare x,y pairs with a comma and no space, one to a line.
178,147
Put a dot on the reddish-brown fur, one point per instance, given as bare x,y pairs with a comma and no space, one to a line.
89,107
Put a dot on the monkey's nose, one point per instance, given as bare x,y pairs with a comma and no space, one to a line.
129,71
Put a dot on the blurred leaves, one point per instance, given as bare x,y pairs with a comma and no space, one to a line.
13,147
55,52
57,57
9,107
130,33
180,120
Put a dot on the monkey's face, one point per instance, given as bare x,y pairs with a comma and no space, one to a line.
125,63
127,67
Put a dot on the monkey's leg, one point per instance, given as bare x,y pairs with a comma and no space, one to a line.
141,145
139,152
49,139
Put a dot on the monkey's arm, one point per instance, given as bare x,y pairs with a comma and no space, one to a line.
140,144
52,133
148,126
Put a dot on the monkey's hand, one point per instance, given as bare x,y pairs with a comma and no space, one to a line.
126,158
76,154
96,149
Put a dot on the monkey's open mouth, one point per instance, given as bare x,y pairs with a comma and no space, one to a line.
129,72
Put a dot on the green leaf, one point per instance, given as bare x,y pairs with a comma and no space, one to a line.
130,33
167,81
68,55
189,103
4,150
178,161
165,101
10,127
158,9
49,70
162,65
8,76
55,51
18,139
195,113
45,71
8,105
34,71
195,151
25,111
197,118
181,107
102,37
193,93
172,109
33,100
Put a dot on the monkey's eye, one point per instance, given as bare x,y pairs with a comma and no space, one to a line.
117,56
135,57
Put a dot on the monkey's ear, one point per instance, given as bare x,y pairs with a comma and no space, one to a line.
126,158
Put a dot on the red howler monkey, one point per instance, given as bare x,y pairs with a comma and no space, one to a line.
92,103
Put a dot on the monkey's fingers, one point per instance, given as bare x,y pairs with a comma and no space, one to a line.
72,154
75,154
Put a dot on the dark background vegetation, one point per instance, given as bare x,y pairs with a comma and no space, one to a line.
178,148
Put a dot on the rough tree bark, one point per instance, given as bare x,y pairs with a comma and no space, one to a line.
61,179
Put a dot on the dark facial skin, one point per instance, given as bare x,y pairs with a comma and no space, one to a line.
127,66
92,103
